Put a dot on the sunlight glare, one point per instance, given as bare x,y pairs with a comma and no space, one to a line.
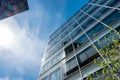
6,36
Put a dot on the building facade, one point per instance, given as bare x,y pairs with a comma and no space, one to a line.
11,7
69,54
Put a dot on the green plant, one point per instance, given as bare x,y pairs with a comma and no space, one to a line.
111,53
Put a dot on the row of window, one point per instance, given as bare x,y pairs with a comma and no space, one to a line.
55,75
102,2
92,9
52,62
84,57
98,28
73,24
110,19
71,65
94,31
81,40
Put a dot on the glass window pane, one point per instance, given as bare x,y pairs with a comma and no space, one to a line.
95,30
80,41
73,26
87,23
114,16
56,75
53,50
57,58
112,2
93,9
68,49
45,78
86,8
71,66
82,18
101,2
100,12
78,15
102,42
70,22
83,57
64,33
65,41
76,32
86,56
118,28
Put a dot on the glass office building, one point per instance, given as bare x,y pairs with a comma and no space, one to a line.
11,7
69,54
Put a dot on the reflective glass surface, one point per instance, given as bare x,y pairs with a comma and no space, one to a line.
68,49
71,66
63,34
95,30
93,9
45,78
65,41
53,50
87,56
56,75
112,17
78,15
100,12
73,26
80,41
87,23
76,32
112,2
82,18
106,40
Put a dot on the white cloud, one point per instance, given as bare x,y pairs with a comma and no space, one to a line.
26,52
4,78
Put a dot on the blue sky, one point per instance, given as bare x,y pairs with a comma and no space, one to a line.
31,29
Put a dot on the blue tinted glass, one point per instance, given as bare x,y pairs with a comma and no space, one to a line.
45,78
93,9
73,26
65,41
112,2
118,28
81,40
101,2
94,1
86,8
95,30
71,21
63,28
56,75
53,50
71,66
54,41
68,50
78,15
50,45
87,55
102,42
100,12
83,17
87,23
57,58
112,17
83,56
76,32
45,67
64,33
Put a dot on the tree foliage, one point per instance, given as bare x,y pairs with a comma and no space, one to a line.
111,65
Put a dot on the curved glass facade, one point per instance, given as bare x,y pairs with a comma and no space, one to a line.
70,55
